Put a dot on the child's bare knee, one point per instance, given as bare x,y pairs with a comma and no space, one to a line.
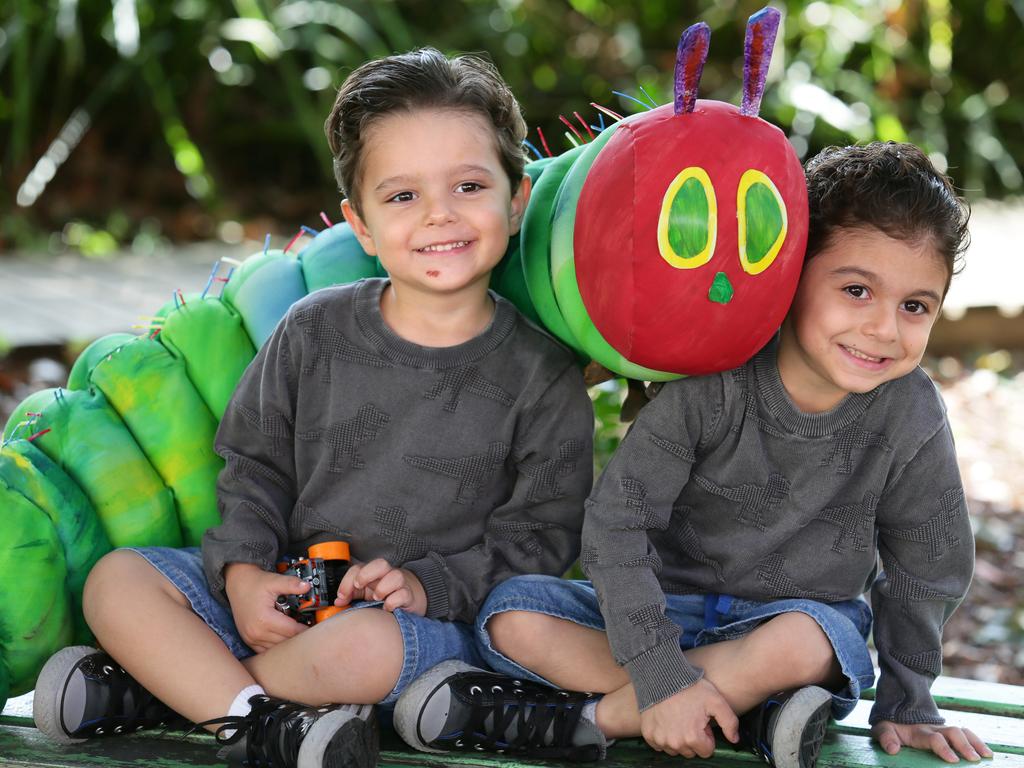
811,654
116,579
518,634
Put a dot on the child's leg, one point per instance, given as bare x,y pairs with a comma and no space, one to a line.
788,651
355,657
145,623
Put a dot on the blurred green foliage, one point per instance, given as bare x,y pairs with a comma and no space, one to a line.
193,112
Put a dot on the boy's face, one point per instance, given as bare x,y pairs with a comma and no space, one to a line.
861,316
436,204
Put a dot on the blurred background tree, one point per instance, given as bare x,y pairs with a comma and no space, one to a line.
131,122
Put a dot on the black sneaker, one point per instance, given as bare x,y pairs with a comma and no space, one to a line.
787,729
455,707
82,692
282,734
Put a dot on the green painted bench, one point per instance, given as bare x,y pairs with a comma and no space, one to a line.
995,712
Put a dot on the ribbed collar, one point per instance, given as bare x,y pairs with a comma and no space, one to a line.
776,400
395,348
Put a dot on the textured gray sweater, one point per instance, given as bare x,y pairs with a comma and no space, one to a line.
723,486
466,464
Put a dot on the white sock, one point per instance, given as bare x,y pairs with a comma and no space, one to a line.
589,711
240,706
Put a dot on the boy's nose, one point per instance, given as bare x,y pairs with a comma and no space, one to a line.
882,325
440,212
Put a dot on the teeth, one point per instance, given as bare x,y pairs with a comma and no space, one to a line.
445,247
860,355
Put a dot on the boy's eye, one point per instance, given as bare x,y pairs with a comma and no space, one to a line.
469,186
857,291
915,307
401,197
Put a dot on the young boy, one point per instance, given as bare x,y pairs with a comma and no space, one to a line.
734,531
420,418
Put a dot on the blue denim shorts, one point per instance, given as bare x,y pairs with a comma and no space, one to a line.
427,642
703,619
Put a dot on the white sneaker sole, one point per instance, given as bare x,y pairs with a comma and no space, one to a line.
800,727
344,738
415,699
48,700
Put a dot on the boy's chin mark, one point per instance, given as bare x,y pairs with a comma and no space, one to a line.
433,273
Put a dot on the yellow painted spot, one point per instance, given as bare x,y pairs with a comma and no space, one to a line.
688,224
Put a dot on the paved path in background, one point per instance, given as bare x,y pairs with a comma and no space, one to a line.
56,300
68,299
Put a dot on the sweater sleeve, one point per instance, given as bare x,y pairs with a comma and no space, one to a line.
537,530
633,497
927,552
256,489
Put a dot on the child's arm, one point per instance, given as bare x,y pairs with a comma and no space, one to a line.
537,530
634,497
927,551
256,488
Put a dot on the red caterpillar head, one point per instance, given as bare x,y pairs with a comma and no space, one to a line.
696,270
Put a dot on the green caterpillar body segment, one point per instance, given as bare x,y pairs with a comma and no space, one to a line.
30,472
262,289
150,391
88,440
35,621
78,378
207,334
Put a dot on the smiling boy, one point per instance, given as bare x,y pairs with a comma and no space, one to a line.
418,417
733,533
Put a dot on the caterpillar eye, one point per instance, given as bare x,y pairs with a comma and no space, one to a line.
761,216
688,224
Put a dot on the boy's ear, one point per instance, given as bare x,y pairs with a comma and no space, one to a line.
519,202
359,227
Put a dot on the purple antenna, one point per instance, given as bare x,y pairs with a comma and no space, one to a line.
762,28
690,57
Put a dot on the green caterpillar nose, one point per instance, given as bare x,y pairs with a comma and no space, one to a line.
721,289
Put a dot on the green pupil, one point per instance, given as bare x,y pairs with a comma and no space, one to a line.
764,221
688,220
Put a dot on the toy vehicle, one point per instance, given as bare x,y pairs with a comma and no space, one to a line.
323,569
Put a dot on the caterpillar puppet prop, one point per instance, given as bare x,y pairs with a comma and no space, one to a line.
671,244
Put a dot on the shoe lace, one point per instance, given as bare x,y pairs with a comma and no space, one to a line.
545,721
129,705
273,730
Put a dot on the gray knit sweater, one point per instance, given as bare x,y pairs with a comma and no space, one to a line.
466,464
723,486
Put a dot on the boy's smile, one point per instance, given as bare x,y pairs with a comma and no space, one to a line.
436,205
862,315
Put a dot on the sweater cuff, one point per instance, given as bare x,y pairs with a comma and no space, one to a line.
906,717
432,578
661,672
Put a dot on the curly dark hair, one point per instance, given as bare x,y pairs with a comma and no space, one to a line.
892,187
423,78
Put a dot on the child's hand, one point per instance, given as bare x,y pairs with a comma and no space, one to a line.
379,580
252,593
681,724
940,739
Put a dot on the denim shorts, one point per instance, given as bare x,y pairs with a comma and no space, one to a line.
703,619
427,642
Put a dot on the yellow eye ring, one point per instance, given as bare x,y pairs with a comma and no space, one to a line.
665,222
749,180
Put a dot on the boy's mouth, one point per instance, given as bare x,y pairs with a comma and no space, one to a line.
859,355
443,247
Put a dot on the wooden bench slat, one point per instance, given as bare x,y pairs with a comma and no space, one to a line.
1004,733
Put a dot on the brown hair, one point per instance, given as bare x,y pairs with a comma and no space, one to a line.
891,187
415,80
